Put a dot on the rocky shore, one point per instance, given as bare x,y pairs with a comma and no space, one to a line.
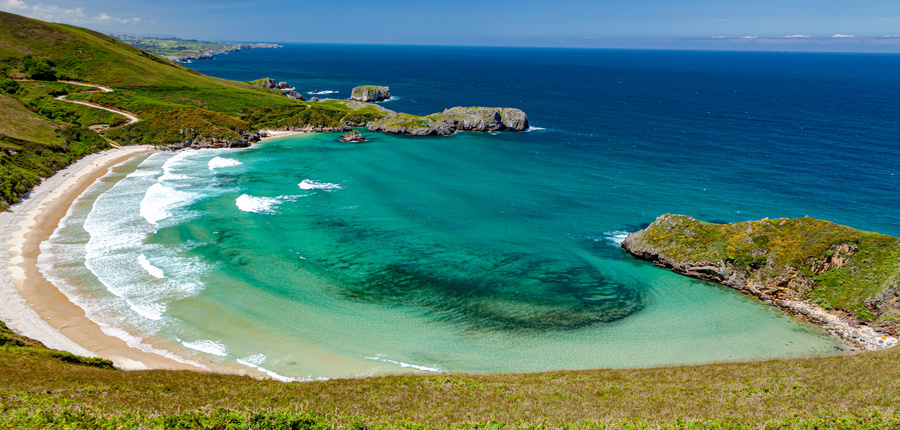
714,253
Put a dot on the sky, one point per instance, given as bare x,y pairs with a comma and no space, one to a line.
814,25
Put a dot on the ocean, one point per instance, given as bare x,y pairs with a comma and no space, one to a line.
311,258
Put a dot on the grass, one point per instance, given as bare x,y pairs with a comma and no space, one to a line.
41,388
21,123
173,102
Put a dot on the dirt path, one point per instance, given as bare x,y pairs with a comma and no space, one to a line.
100,88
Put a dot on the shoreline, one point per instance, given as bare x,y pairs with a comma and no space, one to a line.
34,307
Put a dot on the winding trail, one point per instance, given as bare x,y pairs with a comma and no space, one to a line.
100,88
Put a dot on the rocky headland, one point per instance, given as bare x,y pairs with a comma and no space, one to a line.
370,93
452,120
844,280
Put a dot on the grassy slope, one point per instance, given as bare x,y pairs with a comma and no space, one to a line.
173,102
21,123
768,249
40,388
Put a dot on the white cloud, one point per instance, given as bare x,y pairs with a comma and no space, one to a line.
55,13
13,5
891,35
719,37
797,36
749,37
104,18
843,35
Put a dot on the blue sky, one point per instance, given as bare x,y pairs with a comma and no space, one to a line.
849,25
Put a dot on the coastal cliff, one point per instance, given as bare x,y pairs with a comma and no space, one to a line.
370,93
845,280
452,120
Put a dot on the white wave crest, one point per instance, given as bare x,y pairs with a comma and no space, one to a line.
256,360
405,365
616,237
154,271
151,311
159,199
219,162
260,205
207,346
308,184
533,128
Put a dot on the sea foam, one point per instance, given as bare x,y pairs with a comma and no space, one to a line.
616,237
404,365
260,205
219,162
309,184
160,199
207,346
154,271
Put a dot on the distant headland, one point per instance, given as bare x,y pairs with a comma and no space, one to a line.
186,50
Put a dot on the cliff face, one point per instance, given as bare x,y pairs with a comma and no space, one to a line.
452,120
370,93
840,278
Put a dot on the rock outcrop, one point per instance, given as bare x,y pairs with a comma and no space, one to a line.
486,119
353,136
294,95
452,120
370,93
270,83
792,264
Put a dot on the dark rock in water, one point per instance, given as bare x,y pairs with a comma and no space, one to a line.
370,93
294,95
353,136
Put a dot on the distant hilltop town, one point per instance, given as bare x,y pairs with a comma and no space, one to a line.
184,51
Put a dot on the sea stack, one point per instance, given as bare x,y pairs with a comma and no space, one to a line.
370,93
353,136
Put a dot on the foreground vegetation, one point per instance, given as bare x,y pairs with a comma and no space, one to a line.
42,389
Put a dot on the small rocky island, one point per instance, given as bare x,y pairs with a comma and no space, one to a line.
353,136
370,93
842,279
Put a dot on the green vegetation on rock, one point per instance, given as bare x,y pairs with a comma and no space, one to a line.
834,266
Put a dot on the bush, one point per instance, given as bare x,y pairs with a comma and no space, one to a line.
40,70
9,86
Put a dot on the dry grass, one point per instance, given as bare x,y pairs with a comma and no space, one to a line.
21,123
759,392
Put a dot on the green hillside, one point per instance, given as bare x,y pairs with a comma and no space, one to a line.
41,134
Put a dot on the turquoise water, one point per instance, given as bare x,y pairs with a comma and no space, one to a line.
498,252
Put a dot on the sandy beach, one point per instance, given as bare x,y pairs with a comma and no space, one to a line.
34,307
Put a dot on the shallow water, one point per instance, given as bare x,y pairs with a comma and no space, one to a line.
488,252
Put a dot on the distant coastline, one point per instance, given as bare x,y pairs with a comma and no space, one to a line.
185,51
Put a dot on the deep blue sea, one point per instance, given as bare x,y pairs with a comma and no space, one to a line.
494,252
